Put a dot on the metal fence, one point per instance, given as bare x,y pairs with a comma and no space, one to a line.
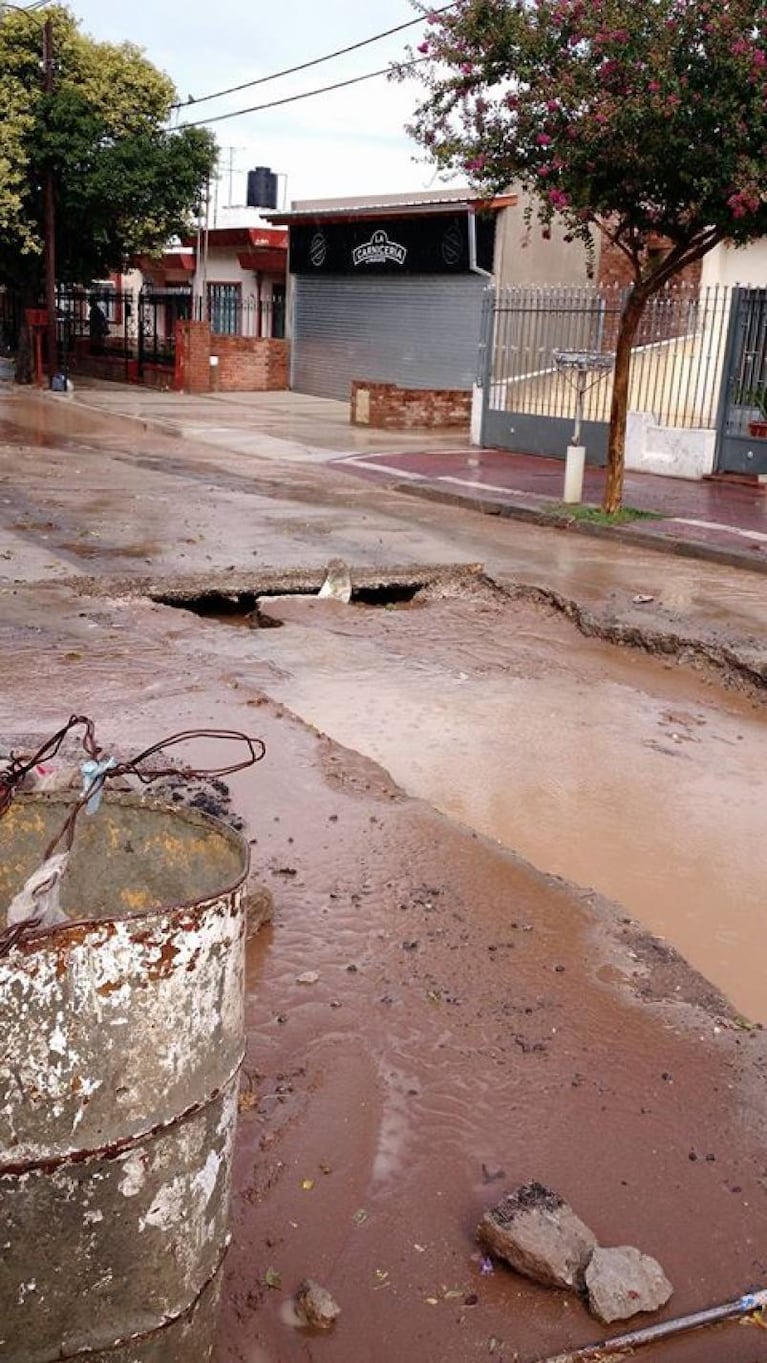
10,320
230,314
676,368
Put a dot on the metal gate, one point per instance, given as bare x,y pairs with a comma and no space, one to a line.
675,373
742,425
421,331
93,323
527,405
158,311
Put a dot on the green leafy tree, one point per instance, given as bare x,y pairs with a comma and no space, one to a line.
636,119
124,183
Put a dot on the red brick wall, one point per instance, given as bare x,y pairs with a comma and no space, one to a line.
614,269
247,364
387,407
192,357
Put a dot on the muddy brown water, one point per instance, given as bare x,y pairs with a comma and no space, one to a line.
612,769
465,1014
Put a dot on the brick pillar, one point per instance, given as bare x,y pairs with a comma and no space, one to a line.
192,374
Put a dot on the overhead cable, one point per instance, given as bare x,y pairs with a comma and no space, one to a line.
304,66
306,94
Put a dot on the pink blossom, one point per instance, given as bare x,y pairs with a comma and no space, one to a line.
741,203
544,170
423,47
654,87
478,163
467,68
543,140
559,199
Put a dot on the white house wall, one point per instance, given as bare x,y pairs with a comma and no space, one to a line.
225,268
524,256
730,265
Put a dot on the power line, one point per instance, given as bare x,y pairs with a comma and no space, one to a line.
304,66
307,94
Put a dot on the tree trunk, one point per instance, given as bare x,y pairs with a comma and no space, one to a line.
616,446
25,357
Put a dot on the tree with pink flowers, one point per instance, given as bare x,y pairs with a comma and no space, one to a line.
640,120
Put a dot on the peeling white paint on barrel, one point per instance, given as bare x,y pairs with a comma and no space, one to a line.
121,1036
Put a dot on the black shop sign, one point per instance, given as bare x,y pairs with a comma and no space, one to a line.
391,246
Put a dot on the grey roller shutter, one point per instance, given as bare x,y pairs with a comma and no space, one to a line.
420,331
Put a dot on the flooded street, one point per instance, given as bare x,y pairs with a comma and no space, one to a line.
433,1016
611,769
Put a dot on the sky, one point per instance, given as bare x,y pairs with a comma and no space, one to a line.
345,143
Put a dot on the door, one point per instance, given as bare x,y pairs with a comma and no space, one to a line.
742,425
419,331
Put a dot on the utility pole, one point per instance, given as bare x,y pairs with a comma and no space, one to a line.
49,210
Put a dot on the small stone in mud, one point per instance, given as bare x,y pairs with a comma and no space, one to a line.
491,1173
622,1282
308,977
315,1305
540,1236
259,908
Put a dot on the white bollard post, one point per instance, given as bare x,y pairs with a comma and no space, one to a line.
575,463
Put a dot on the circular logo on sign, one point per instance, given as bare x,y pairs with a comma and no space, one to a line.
318,249
452,245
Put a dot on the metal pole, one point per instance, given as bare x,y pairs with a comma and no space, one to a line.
50,219
636,1339
205,248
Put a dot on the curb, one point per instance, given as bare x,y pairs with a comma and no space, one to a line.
486,506
145,423
624,534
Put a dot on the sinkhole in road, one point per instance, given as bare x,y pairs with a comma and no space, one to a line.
620,771
247,607
240,601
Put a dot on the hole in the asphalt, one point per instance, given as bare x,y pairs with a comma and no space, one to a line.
242,607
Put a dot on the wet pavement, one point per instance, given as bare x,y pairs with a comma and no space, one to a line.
468,1004
706,514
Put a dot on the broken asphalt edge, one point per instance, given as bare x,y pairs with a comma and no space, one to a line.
627,534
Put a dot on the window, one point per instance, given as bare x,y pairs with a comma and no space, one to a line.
224,308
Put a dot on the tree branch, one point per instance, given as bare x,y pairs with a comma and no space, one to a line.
615,239
682,256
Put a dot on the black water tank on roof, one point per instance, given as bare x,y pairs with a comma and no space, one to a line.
262,188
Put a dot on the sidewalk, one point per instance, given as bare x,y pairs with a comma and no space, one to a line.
716,522
725,523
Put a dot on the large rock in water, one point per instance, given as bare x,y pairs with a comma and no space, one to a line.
536,1232
623,1281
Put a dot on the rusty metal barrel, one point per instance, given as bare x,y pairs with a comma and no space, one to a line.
121,1040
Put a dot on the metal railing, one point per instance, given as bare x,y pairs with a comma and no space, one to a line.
677,363
230,314
10,320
